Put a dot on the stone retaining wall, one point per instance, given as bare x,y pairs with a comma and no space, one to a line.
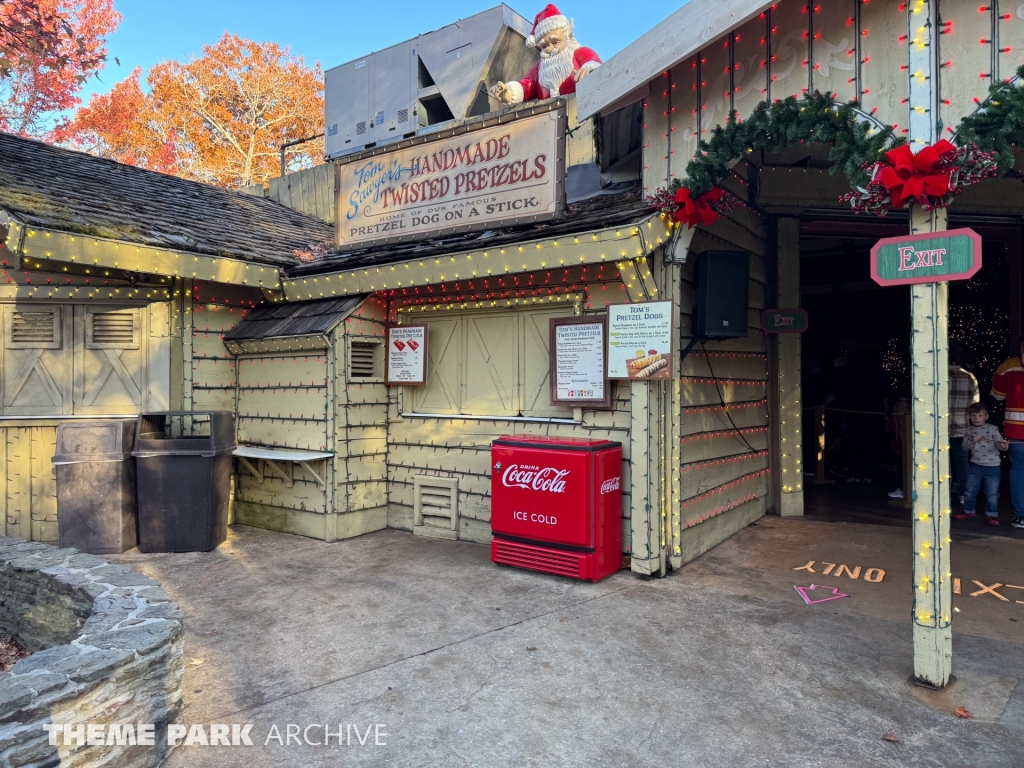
107,648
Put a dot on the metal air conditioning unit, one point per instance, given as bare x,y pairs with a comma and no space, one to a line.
426,82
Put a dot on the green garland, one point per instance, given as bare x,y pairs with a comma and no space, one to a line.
998,123
997,126
815,119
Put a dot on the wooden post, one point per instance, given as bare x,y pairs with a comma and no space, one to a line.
905,421
819,437
789,474
929,492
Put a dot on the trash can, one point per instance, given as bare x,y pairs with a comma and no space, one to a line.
183,466
96,486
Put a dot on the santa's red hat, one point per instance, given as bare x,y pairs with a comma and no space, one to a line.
547,20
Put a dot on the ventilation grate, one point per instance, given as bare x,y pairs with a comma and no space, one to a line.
403,115
435,502
365,359
34,329
538,559
360,128
113,328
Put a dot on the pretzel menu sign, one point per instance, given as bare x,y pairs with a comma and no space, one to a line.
406,357
640,340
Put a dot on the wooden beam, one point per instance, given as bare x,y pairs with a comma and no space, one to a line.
694,26
40,244
789,470
615,244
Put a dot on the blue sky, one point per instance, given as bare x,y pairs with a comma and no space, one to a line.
334,32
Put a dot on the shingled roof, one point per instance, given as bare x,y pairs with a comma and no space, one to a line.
59,189
271,321
619,205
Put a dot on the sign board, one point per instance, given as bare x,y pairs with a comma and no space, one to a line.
640,340
578,364
933,257
784,320
491,176
406,357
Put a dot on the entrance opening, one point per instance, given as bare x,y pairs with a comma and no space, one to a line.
855,359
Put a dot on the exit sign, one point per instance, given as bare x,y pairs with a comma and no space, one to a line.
784,320
929,258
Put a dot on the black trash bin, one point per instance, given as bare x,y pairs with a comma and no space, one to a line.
183,465
96,486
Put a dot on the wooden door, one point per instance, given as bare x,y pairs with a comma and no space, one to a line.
535,363
492,362
110,359
37,360
442,393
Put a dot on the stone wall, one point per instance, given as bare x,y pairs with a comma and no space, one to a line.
107,645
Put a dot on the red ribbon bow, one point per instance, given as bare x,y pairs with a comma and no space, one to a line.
694,211
919,177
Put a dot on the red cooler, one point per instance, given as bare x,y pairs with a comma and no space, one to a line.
556,505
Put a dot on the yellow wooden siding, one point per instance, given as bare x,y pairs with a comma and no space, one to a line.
30,493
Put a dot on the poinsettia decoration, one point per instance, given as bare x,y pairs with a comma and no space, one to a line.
931,178
686,208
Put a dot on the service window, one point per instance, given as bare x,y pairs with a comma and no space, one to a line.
488,364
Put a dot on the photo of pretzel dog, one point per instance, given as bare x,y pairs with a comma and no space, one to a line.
657,365
644,362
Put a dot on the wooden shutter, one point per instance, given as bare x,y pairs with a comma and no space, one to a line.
365,360
492,362
535,366
110,359
37,360
442,393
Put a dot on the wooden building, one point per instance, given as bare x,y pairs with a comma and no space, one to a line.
129,290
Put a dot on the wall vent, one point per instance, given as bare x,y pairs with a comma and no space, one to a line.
435,511
365,360
35,330
403,115
360,128
113,329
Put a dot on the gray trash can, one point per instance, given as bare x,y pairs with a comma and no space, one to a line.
96,486
184,462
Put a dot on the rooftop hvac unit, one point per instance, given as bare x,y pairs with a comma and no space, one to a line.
426,82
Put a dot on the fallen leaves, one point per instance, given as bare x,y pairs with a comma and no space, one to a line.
195,662
891,738
10,651
962,712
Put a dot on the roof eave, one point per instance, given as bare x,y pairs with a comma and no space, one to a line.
622,78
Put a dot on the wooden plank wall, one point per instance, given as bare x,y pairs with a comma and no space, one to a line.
310,191
361,426
26,474
460,447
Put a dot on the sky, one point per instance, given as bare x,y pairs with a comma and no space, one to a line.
334,32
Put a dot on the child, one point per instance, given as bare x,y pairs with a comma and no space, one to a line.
984,443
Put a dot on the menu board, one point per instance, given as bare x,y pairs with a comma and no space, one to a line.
578,361
407,355
640,340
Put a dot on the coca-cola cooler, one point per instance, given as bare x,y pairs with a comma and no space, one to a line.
556,505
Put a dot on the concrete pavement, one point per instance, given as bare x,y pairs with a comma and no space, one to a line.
463,663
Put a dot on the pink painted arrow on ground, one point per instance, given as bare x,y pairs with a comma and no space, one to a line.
836,594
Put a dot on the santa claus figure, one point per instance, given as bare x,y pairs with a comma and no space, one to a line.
563,61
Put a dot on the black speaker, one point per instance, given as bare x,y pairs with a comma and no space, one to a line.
723,288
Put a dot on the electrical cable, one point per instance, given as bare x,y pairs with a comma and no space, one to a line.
721,399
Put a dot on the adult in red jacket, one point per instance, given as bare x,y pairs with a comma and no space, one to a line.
1008,385
563,61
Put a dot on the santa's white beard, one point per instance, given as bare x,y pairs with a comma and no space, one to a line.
554,69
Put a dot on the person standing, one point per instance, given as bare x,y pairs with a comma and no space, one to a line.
984,442
1008,385
963,391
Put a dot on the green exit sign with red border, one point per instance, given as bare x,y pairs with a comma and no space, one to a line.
933,257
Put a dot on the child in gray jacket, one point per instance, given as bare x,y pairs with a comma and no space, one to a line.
984,443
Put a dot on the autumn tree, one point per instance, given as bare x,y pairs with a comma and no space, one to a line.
219,118
48,49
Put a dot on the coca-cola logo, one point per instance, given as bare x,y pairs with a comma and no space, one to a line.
535,478
609,485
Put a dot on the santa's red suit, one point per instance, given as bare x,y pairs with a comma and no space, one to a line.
530,89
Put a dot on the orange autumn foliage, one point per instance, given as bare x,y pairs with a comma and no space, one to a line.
219,118
48,49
